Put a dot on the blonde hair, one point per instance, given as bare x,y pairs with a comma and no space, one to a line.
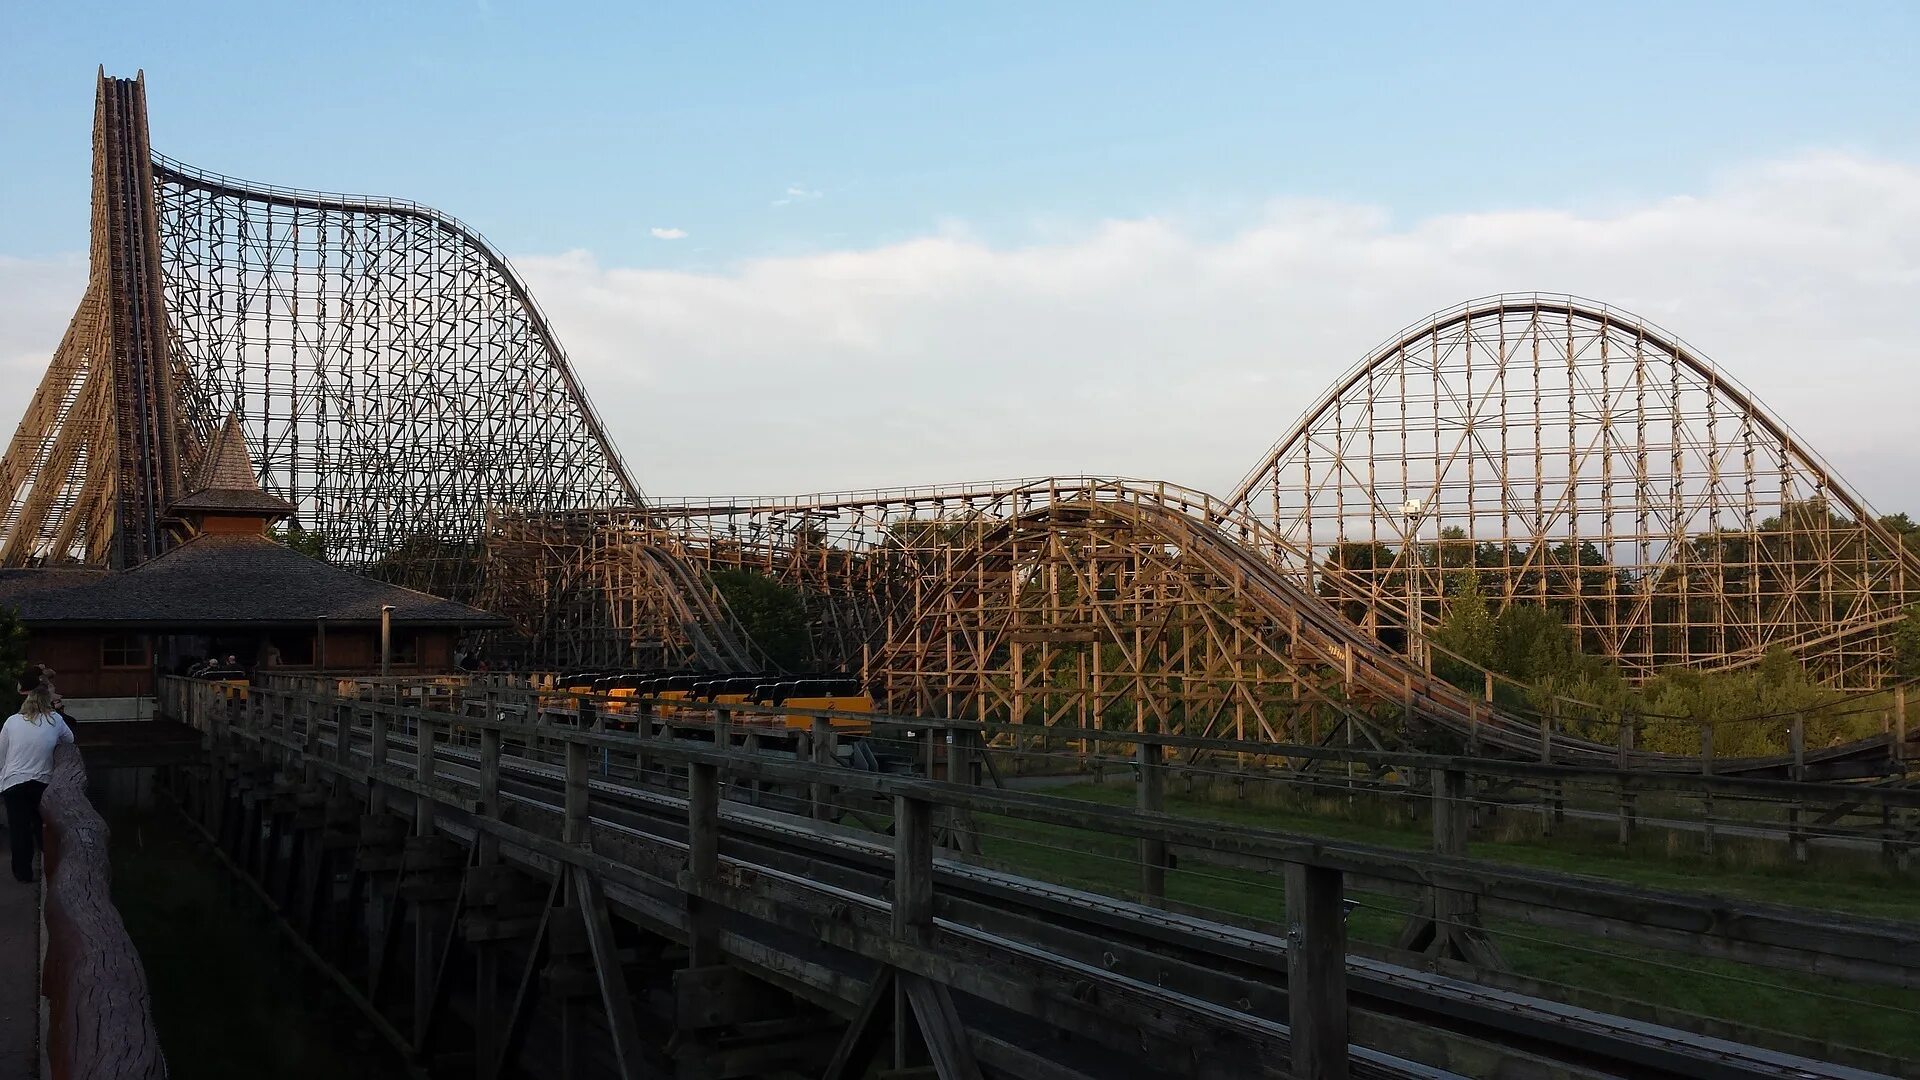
38,704
36,683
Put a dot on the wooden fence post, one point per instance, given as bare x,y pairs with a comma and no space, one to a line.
912,867
1316,972
425,753
1150,794
1628,724
573,829
703,860
1899,724
1796,829
960,771
489,790
377,759
820,793
1706,798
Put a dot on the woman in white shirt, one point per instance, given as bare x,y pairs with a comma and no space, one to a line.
27,740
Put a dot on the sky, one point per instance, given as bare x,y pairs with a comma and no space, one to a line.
800,248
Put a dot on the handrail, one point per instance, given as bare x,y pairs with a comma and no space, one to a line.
1731,777
1880,949
100,1018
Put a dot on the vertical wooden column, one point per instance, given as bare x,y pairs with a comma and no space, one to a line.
310,713
214,806
912,901
1899,724
489,790
1796,823
643,726
425,761
912,867
1706,798
573,829
1316,972
377,764
960,771
486,953
1628,724
1150,794
342,714
820,793
1555,810
703,860
1452,827
425,924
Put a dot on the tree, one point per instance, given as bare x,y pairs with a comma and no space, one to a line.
1906,645
305,541
13,658
1465,634
773,615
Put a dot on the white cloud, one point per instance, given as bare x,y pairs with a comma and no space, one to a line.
668,234
1142,348
795,193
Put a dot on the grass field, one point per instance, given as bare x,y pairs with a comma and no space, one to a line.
1881,1019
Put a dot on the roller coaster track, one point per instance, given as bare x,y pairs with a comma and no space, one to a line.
399,383
946,578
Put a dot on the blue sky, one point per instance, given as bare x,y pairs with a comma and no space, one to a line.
584,126
1019,239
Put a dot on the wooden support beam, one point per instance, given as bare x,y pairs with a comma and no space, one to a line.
703,860
1150,795
1316,973
912,867
575,824
862,1039
941,1032
514,1025
629,1052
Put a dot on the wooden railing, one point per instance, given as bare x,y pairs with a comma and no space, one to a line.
637,815
100,1019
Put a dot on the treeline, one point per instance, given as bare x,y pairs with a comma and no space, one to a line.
1543,669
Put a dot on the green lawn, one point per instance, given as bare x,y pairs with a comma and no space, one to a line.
1855,883
1875,1018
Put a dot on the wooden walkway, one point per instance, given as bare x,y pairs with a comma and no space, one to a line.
19,978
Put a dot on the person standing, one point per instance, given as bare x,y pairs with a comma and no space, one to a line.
27,741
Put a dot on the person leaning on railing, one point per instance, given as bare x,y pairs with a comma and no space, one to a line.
27,740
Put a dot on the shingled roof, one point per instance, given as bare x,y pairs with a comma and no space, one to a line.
216,581
225,480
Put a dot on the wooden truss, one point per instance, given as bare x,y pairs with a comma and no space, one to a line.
1577,456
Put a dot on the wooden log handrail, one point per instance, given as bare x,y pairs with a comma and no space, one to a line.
1881,950
100,1018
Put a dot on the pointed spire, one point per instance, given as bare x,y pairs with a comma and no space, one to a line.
226,482
227,465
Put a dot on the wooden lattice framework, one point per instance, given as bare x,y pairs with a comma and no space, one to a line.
1579,457
394,376
1085,601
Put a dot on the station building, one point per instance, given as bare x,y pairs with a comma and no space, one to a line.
228,588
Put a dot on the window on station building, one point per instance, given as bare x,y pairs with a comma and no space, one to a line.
123,651
292,649
406,646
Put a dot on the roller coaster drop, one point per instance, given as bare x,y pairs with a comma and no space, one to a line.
400,386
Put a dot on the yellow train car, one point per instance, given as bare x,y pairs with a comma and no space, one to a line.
840,694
